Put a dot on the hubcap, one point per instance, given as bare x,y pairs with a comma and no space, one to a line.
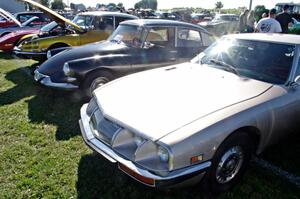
229,165
98,82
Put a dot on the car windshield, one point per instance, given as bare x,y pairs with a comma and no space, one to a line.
84,21
49,27
128,35
264,61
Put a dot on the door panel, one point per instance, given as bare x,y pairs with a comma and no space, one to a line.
158,49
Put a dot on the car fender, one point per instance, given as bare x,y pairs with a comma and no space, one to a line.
112,62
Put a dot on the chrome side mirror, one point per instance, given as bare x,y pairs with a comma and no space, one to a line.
297,80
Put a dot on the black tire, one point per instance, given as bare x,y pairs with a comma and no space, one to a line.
95,80
239,142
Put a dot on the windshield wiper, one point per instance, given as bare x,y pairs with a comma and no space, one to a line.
228,66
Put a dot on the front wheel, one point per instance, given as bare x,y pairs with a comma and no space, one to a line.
94,81
230,162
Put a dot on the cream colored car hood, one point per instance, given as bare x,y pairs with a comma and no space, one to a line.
157,102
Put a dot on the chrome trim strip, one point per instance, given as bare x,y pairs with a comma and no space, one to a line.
108,153
18,51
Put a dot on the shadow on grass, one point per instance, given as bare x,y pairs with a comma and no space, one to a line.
44,105
6,55
286,153
98,178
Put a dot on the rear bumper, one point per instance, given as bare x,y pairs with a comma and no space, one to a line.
174,178
46,81
30,55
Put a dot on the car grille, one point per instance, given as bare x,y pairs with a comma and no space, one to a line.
102,128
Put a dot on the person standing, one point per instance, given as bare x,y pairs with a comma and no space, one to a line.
243,21
269,24
250,21
284,18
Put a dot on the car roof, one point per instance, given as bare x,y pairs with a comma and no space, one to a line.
268,37
162,22
21,13
105,13
290,4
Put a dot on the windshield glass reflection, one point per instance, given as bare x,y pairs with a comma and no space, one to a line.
265,61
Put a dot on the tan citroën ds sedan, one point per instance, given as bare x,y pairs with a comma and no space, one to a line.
199,120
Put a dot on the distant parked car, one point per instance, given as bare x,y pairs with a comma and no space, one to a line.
24,16
135,46
6,19
10,40
201,17
29,24
199,120
222,24
87,27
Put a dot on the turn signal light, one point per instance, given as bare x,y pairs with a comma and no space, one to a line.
196,159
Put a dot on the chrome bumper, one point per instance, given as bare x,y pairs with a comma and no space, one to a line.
46,80
173,178
18,51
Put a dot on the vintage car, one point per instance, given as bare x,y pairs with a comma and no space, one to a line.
12,24
222,24
6,19
199,120
24,16
8,41
136,45
87,27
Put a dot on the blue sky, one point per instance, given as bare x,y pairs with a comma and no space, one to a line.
164,4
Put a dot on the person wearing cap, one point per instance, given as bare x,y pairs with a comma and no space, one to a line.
269,24
284,18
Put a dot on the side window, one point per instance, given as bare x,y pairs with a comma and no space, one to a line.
188,38
161,36
120,19
104,23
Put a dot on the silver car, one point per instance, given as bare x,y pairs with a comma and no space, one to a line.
199,120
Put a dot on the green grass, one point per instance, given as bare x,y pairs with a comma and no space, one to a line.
42,154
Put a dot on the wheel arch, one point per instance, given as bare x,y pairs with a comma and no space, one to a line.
252,131
94,71
58,45
5,33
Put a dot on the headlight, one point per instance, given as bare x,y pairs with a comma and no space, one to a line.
163,154
154,157
49,54
67,70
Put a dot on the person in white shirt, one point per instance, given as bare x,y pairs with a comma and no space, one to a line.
269,24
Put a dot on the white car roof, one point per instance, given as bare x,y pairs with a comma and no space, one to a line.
269,37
